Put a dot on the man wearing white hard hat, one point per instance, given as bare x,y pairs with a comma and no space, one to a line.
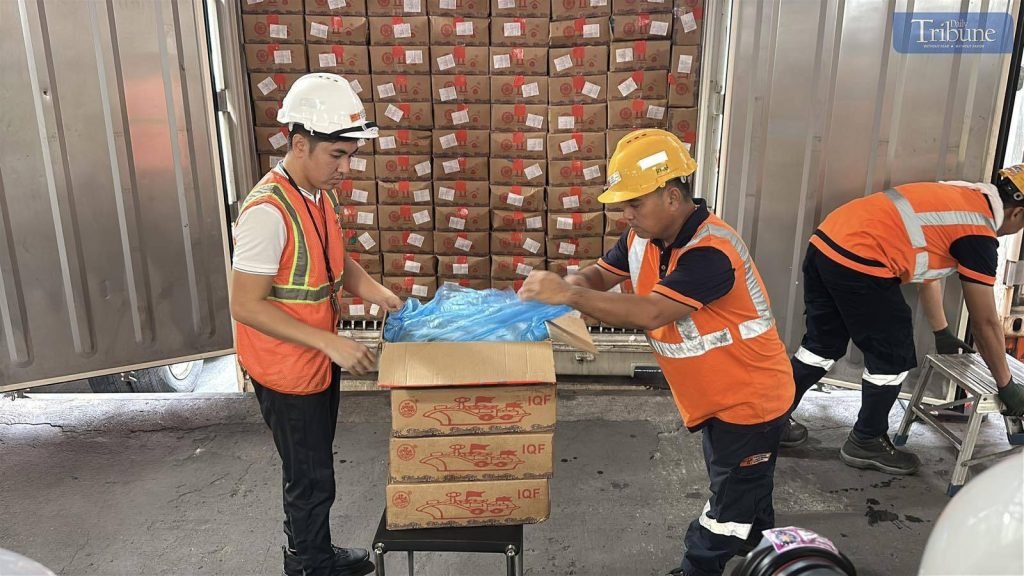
288,269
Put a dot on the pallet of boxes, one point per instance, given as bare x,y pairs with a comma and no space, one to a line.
472,429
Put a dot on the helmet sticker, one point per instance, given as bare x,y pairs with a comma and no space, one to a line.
652,160
614,178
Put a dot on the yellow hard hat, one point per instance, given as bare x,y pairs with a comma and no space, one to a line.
1015,174
644,161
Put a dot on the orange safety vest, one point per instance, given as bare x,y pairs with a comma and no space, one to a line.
300,289
905,232
725,360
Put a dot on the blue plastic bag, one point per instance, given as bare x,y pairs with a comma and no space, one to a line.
458,314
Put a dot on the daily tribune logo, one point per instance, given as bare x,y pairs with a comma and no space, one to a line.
952,32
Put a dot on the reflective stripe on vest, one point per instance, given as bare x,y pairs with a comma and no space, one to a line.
914,222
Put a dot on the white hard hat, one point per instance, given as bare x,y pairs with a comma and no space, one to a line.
326,106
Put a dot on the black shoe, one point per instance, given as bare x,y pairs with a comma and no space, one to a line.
347,562
793,434
878,454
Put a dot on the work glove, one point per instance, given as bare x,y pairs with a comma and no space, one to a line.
947,343
1012,397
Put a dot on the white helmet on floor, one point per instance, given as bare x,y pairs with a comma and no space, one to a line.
326,106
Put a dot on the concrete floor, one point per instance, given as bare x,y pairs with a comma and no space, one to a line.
177,485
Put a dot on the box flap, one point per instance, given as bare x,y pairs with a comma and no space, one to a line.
427,364
572,330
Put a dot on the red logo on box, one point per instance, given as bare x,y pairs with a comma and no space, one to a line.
406,452
400,499
407,408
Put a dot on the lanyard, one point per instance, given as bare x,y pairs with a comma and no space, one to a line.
322,238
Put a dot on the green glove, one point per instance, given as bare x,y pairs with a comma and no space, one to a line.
947,343
1012,397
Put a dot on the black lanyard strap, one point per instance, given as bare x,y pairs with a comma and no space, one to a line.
321,237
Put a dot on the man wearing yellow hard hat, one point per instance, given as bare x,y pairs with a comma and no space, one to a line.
703,305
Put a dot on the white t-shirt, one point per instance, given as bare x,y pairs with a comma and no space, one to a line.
260,236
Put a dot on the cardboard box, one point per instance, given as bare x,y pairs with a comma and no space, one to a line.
689,26
518,117
467,88
526,61
575,224
513,285
576,172
471,283
638,113
399,31
638,6
268,161
409,264
460,30
403,167
400,59
683,122
461,193
471,8
272,7
580,247
462,219
405,192
272,28
592,89
463,116
518,171
401,87
362,167
404,115
271,140
462,243
357,192
461,168
396,7
361,85
643,26
454,143
355,309
517,221
647,84
521,9
576,145
517,243
569,266
580,32
273,86
639,55
458,59
529,145
519,31
336,7
578,118
569,9
356,217
467,504
275,57
519,89
615,223
407,241
406,217
362,241
574,199
683,76
407,142
576,60
337,29
515,267
420,287
339,59
265,113
371,263
464,266
613,137
527,199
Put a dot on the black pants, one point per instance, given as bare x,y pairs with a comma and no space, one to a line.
741,465
842,304
303,429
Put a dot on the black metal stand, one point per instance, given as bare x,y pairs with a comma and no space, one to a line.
507,540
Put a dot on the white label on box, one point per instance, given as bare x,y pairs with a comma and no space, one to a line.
445,193
366,240
506,4
465,245
571,201
502,61
449,141
422,195
513,29
335,4
534,223
523,269
413,6
594,3
533,171
569,146
659,28
415,240
592,172
535,144
374,309
402,30
361,142
591,30
319,30
360,196
356,86
463,28
460,117
356,310
534,120
394,112
387,143
685,64
531,245
564,223
386,90
572,269
419,290
421,217
566,122
275,160
327,60
624,55
445,62
460,269
457,223
531,89
627,87
515,199
448,94
278,140
656,112
278,31
451,166
591,89
423,168
365,218
688,21
267,86
414,56
448,4
357,164
283,56
413,266
563,63
567,248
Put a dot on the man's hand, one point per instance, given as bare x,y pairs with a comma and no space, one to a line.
350,355
1012,397
546,287
947,343
388,300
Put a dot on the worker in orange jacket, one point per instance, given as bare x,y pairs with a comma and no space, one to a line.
856,262
703,305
